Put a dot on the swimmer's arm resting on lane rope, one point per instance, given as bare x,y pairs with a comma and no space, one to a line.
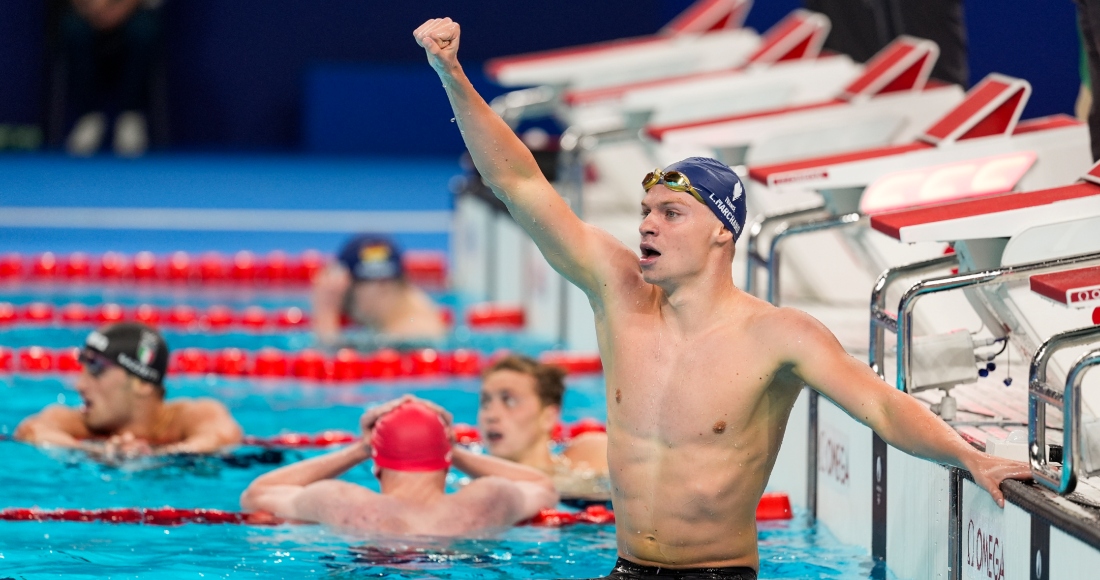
587,256
817,358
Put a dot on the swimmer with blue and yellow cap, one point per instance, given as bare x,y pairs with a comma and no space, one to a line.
700,376
366,284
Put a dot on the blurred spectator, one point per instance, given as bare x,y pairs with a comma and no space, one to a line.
863,27
367,285
110,42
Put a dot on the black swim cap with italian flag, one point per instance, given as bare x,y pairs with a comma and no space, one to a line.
139,349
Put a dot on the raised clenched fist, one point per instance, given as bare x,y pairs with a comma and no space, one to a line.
439,37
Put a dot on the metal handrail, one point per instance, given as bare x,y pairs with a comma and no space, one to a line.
515,106
881,321
1063,479
785,230
757,229
1002,275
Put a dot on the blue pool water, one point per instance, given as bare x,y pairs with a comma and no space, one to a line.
53,479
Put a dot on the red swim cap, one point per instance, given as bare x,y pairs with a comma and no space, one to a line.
411,438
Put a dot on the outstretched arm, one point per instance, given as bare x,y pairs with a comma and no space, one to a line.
901,420
580,252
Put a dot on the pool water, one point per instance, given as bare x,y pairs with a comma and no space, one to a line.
56,479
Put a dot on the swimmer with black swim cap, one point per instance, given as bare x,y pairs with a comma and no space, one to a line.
411,443
124,412
701,376
520,406
367,284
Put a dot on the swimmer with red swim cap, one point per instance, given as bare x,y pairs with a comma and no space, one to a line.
701,376
124,412
411,444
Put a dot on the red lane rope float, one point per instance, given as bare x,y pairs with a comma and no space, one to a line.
343,366
174,517
153,516
424,268
215,318
464,434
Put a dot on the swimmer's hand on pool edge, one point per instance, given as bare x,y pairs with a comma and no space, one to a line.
439,37
990,471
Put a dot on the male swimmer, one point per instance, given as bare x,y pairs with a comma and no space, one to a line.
124,411
410,443
520,406
367,284
701,376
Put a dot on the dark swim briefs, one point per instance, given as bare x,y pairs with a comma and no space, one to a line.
627,570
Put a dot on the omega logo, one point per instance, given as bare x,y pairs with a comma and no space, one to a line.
985,553
832,458
1084,294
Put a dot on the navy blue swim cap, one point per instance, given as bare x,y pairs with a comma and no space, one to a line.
719,187
371,257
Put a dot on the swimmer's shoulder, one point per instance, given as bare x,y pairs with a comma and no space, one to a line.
187,413
588,451
789,331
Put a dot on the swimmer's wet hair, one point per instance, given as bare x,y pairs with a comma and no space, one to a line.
549,379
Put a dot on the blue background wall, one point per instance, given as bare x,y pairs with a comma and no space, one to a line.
239,71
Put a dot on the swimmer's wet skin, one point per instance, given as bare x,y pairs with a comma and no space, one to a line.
124,412
409,441
701,376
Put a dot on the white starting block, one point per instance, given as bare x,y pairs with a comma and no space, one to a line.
787,68
978,148
706,36
892,101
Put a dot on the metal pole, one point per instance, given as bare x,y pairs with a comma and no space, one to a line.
786,230
759,227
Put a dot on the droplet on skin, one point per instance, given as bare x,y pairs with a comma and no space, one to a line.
452,119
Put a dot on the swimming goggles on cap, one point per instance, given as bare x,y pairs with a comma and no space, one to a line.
95,363
673,180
